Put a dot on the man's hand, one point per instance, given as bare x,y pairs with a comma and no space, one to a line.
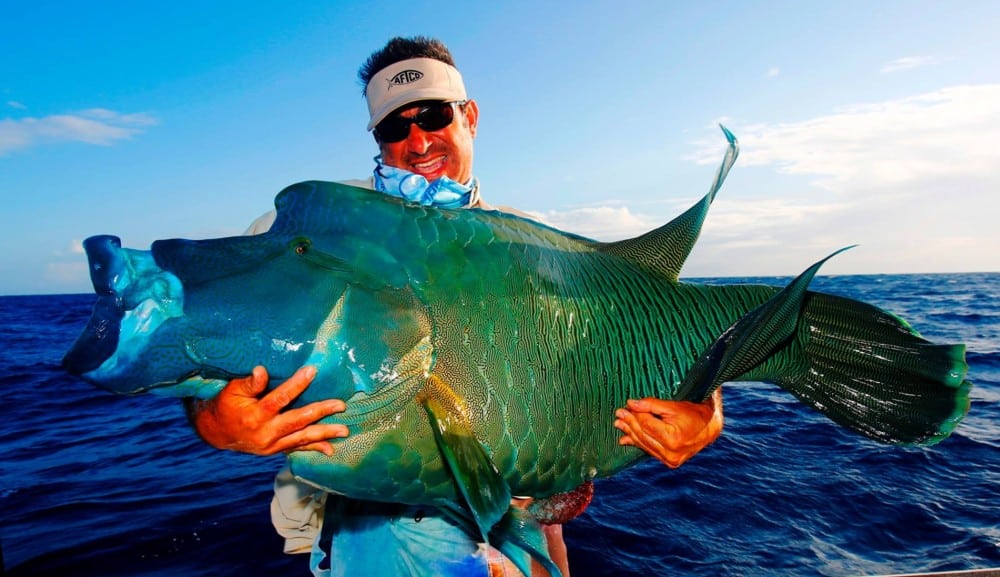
240,419
671,431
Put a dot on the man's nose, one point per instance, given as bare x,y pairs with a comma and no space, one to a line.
417,141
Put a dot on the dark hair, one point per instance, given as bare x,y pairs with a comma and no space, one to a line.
399,49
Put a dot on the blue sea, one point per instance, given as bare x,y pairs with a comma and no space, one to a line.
99,485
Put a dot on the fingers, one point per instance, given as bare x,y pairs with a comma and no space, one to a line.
287,391
240,419
249,386
325,447
676,419
650,437
313,438
670,409
298,429
299,419
671,431
639,405
647,432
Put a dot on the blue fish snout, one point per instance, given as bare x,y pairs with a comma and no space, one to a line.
99,339
107,263
134,297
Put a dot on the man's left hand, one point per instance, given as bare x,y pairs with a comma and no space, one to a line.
671,431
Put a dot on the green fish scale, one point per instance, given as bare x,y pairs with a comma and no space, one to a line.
543,335
578,318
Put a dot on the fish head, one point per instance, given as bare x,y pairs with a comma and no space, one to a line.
134,299
186,316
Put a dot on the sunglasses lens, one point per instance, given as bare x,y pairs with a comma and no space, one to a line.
429,118
435,117
393,129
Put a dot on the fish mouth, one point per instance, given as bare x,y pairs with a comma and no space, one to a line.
99,339
134,298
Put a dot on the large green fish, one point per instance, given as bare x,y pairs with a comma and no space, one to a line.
482,355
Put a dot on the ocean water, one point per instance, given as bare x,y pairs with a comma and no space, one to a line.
97,485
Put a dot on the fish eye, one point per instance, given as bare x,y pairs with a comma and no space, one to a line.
301,246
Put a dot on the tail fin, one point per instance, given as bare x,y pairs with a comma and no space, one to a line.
868,370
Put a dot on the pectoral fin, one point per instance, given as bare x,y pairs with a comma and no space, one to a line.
750,340
478,481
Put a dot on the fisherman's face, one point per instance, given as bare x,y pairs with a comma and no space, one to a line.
445,152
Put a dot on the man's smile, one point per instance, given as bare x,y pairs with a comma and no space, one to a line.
429,166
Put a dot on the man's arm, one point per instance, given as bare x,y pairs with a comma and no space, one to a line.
671,431
242,418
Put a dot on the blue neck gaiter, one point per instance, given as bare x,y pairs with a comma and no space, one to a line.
442,192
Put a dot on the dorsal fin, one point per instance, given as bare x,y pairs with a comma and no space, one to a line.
665,249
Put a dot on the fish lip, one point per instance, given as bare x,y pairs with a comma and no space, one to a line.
99,340
134,298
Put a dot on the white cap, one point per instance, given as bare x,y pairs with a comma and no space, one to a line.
410,81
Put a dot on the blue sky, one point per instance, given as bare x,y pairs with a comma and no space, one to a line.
873,123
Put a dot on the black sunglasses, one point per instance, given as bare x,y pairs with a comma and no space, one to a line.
429,118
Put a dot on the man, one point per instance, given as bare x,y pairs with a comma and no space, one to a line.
424,125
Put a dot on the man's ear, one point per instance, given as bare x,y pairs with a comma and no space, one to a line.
471,110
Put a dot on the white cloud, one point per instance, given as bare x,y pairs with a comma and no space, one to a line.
912,180
908,62
95,126
60,275
773,71
600,223
16,105
73,248
940,134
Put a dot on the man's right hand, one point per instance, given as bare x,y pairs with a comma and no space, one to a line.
240,419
